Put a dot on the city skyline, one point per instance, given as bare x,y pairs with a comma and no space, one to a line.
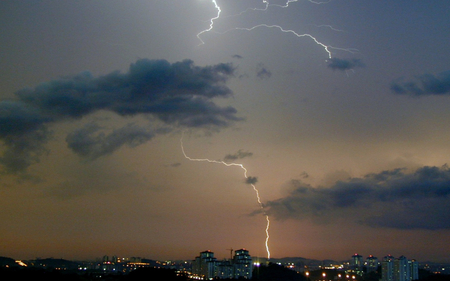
356,262
338,110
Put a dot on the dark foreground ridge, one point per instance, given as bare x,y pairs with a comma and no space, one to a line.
285,269
155,274
270,272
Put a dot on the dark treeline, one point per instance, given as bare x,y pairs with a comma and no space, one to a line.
274,272
148,274
271,272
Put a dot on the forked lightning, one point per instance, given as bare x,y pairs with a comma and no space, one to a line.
258,198
266,6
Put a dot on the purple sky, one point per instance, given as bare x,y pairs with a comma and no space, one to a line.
337,109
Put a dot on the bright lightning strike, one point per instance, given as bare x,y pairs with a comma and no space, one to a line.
325,47
258,198
211,22
266,6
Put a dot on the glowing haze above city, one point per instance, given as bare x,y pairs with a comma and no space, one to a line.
163,128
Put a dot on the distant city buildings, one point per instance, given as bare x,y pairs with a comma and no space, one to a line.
207,267
400,269
239,265
392,269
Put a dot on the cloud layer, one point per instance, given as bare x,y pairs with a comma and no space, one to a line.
427,84
344,64
238,155
393,198
179,94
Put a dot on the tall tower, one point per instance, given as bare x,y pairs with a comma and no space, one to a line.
357,262
414,269
242,264
371,263
205,265
387,268
401,269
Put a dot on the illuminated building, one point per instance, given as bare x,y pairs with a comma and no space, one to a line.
371,263
242,262
406,270
387,268
357,262
414,267
400,269
207,267
204,265
225,269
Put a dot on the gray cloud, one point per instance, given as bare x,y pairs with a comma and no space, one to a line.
427,84
178,94
304,175
92,142
23,150
238,155
262,72
251,180
394,199
344,64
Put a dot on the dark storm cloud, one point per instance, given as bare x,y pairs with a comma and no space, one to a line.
238,155
427,84
92,142
178,94
237,56
394,199
22,133
251,180
344,64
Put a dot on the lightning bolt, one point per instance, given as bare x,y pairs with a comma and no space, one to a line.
327,26
267,4
292,1
211,22
325,47
258,198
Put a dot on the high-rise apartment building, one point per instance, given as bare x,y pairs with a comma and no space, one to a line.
242,262
400,269
371,263
207,267
204,265
357,262
414,267
387,268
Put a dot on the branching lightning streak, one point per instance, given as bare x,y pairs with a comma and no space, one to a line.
245,175
211,21
267,4
328,26
325,47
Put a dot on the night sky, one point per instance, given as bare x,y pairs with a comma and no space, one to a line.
338,110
